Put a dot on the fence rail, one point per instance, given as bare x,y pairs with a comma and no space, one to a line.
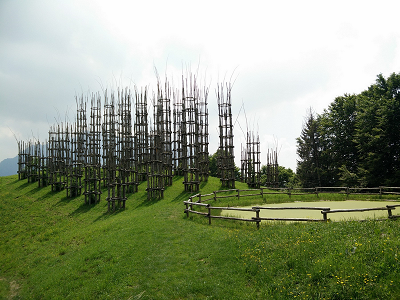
192,202
382,190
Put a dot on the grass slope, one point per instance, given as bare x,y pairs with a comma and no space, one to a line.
53,247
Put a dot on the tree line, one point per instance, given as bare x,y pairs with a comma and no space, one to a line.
355,141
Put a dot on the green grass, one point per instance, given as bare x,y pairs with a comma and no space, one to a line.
53,247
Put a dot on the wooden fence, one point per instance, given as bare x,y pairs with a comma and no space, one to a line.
199,199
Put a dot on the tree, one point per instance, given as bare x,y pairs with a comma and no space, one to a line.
213,164
338,128
285,176
309,150
378,131
356,141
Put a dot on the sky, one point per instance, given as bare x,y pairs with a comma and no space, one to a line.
283,58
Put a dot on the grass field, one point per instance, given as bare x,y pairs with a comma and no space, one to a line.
53,247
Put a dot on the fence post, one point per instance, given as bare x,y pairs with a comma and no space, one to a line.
262,193
209,214
199,198
324,213
347,192
258,218
238,195
389,211
186,210
191,200
289,193
215,196
380,192
316,191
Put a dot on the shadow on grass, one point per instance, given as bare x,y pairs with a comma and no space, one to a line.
109,214
84,208
45,196
177,178
33,191
24,185
13,182
145,202
65,200
203,184
183,196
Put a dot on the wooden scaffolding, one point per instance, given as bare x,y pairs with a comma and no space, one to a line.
226,156
272,171
177,142
155,176
203,136
190,134
57,157
93,155
253,162
163,124
141,135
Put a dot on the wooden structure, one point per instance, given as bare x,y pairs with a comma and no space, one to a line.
43,164
252,161
105,146
177,141
155,174
93,155
127,175
190,134
22,159
272,171
203,136
57,157
226,156
163,124
141,135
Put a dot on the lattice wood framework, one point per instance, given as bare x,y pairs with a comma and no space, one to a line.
203,136
69,182
32,162
141,134
190,134
74,165
22,159
127,142
109,149
32,165
226,163
126,175
43,164
100,145
93,155
243,164
272,171
163,124
253,160
109,143
78,136
57,157
177,142
155,176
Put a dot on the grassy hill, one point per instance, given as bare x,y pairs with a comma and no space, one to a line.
53,247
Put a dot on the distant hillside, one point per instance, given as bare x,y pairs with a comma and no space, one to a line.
9,166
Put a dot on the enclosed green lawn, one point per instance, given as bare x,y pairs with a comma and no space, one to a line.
53,247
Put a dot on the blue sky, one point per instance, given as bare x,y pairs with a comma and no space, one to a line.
285,57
